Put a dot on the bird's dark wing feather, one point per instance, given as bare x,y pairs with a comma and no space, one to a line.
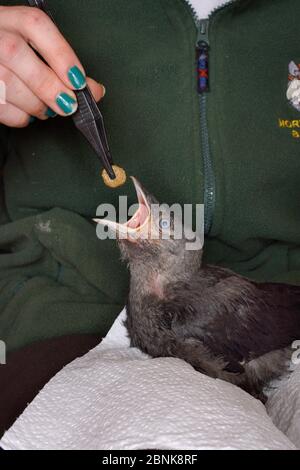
234,317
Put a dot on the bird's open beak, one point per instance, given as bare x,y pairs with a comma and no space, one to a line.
139,223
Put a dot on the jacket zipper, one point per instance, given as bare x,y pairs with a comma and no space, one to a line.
202,52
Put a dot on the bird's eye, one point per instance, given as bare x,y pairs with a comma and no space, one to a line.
164,224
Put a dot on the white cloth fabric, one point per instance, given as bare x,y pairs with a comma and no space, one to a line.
204,7
115,397
284,407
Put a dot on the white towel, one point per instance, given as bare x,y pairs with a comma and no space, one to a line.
115,397
284,407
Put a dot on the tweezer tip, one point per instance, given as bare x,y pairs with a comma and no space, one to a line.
112,174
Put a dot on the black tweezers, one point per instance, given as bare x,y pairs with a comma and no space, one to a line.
88,118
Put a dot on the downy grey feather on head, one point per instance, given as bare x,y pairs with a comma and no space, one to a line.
226,326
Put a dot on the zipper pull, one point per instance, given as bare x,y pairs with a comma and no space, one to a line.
202,49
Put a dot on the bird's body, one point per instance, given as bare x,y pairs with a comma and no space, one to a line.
224,325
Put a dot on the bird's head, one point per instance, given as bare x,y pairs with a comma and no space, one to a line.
155,238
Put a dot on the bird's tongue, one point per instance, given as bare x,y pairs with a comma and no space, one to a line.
139,218
139,225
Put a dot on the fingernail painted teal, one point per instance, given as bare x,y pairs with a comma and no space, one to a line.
50,113
32,119
77,78
66,103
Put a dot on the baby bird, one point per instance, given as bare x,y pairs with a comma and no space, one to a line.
224,325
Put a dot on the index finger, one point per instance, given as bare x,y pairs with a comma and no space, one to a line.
41,33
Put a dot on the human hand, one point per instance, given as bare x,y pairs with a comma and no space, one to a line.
33,88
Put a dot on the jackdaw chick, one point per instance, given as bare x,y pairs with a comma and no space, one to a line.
224,325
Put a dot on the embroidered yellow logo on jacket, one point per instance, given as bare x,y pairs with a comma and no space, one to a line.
293,125
293,96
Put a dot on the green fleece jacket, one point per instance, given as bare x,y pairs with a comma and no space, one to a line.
56,277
